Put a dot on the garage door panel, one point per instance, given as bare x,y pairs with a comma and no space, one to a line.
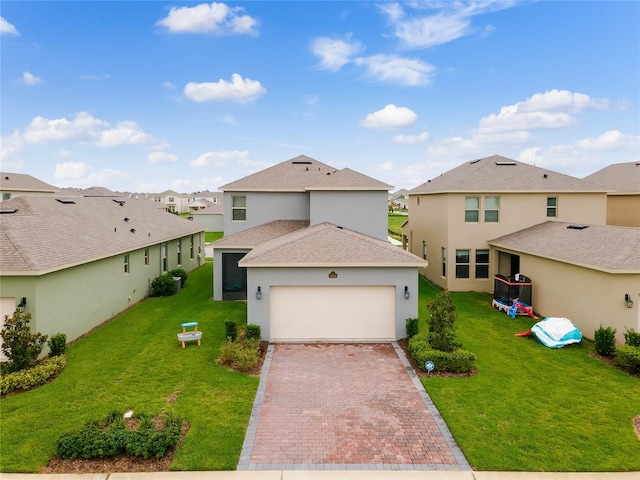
332,313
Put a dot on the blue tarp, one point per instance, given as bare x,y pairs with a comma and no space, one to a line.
556,332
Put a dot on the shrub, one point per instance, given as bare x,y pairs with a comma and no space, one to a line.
163,286
628,357
411,327
230,330
179,272
631,337
110,438
605,341
19,345
458,361
252,332
57,345
442,328
32,377
242,356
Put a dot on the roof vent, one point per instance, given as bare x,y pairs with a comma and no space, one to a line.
119,202
301,163
8,210
577,227
133,230
502,164
66,202
545,175
475,161
126,219
6,178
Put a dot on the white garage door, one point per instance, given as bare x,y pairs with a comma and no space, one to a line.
350,313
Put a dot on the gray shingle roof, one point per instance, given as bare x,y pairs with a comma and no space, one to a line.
501,174
253,237
621,178
45,235
601,247
24,183
326,245
303,173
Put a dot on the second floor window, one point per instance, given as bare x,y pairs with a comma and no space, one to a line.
126,263
146,256
471,209
239,207
552,206
491,209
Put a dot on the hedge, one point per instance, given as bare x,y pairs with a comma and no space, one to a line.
628,357
458,361
32,377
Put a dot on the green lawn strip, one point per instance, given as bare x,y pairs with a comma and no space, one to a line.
532,408
395,222
212,236
135,362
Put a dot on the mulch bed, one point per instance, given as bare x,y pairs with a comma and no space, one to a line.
403,343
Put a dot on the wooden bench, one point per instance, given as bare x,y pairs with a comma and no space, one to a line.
191,335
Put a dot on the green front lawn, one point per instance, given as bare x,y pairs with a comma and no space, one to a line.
394,223
530,407
135,362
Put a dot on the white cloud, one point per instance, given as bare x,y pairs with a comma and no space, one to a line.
30,79
390,117
82,175
390,68
104,76
162,157
64,153
70,171
239,88
221,158
6,28
169,85
410,139
11,147
333,54
125,133
611,140
215,18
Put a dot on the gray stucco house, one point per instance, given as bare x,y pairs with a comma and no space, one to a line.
79,261
306,246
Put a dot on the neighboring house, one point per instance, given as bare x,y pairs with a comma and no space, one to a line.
14,185
79,261
208,214
175,202
306,245
453,216
587,273
87,192
400,199
623,198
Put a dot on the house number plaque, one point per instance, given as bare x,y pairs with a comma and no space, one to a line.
333,275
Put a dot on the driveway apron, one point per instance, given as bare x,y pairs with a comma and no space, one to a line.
345,406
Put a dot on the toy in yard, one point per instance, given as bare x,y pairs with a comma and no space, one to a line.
512,295
189,335
554,332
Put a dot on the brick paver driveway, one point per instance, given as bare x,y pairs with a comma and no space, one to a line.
345,406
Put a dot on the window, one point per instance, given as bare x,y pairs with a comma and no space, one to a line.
146,256
157,199
126,263
491,209
171,199
482,263
424,249
180,251
444,262
471,209
239,207
165,261
6,196
552,206
191,247
462,263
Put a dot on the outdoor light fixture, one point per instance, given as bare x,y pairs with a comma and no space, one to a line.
23,302
259,293
406,292
628,301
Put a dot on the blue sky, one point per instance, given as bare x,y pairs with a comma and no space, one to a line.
147,96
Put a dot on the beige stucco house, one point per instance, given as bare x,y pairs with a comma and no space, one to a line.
79,261
453,216
623,198
587,273
14,185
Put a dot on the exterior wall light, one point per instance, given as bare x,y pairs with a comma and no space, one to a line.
406,292
23,302
628,301
259,293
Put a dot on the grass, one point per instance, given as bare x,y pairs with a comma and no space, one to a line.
212,236
531,408
135,362
395,222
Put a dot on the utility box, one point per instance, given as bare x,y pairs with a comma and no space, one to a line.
178,281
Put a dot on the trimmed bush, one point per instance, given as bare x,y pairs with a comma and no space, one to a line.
20,346
605,341
179,272
57,345
458,361
442,324
628,357
163,286
32,377
242,356
230,330
631,337
111,438
411,327
253,332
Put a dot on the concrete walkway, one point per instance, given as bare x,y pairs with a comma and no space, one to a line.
345,407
